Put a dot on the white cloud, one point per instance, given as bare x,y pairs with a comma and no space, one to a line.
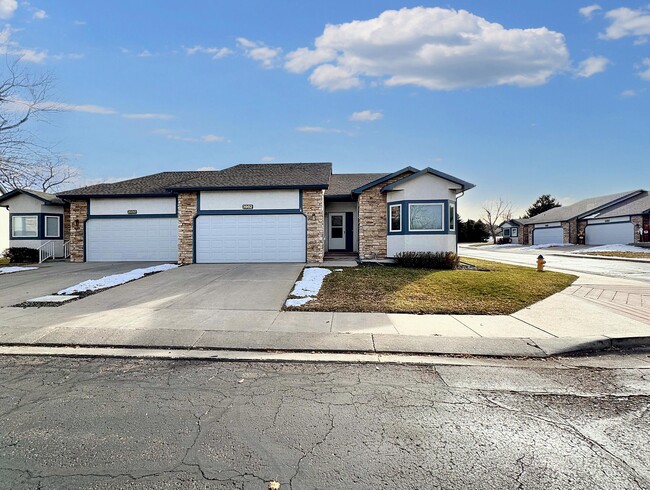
180,136
79,22
629,93
7,8
258,51
645,69
214,52
206,169
317,129
147,115
144,54
366,116
591,66
87,108
588,12
627,22
436,48
12,48
67,56
40,15
267,159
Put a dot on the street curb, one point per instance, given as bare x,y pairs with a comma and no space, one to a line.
536,348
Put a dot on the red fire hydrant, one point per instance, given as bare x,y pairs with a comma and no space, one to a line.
540,263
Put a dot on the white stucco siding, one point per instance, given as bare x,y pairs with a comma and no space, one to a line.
22,203
424,187
142,205
421,243
548,225
343,207
260,200
4,229
622,219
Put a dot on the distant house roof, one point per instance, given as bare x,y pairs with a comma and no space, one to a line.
637,205
431,171
581,208
150,185
44,197
510,222
344,184
262,176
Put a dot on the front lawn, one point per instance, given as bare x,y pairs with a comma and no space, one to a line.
628,255
500,289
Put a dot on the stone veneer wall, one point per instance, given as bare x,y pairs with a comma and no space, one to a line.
570,231
637,221
66,224
187,209
313,205
373,221
524,231
77,225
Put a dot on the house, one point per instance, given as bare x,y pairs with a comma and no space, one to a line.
36,219
293,212
4,228
510,230
602,220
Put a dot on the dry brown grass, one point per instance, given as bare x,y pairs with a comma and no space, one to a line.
628,255
501,289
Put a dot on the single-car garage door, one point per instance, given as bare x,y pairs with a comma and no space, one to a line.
251,238
543,236
609,233
132,239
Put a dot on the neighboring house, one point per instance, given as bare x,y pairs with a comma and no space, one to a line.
603,220
36,218
510,230
264,213
4,229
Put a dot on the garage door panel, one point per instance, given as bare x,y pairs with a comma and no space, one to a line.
132,239
609,234
250,238
543,236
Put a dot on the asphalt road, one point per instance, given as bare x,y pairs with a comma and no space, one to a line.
612,268
118,423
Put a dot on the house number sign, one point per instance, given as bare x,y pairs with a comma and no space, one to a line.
132,211
247,206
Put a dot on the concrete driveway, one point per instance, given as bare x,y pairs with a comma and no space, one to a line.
219,296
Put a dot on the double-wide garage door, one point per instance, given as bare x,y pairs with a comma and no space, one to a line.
251,238
609,233
542,236
132,239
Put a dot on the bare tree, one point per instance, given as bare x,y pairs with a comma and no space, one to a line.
24,160
495,212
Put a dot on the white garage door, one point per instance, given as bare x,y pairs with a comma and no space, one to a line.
610,233
251,238
542,236
131,239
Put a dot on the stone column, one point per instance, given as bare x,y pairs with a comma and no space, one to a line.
187,209
78,217
313,205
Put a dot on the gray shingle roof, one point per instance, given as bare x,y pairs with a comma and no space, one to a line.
156,184
636,205
586,206
268,175
344,184
44,196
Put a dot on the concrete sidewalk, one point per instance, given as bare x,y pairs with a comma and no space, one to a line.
596,312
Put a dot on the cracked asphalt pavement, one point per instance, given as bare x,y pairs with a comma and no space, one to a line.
125,423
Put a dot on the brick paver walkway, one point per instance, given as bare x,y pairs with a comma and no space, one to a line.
631,301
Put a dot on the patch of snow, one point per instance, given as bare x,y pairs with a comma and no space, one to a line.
505,245
115,279
298,301
10,270
550,245
311,282
614,248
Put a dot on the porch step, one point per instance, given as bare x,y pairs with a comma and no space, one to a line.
340,256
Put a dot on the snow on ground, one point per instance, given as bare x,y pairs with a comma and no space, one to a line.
308,287
115,279
9,270
614,248
505,245
550,245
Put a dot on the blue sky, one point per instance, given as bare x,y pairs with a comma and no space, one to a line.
548,97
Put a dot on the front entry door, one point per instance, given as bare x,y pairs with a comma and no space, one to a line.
337,231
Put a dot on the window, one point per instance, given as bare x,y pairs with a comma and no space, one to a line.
425,217
514,232
52,224
452,216
24,226
395,224
506,232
